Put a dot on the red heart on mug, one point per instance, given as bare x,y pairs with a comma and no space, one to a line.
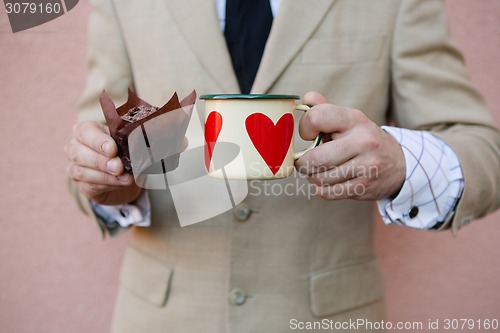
271,141
213,125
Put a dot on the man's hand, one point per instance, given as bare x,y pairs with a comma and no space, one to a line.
357,160
94,167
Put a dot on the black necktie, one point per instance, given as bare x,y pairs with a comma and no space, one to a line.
248,23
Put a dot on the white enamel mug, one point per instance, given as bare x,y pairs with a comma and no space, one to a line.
261,126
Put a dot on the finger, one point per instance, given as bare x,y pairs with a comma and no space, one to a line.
94,190
82,155
83,174
326,156
314,98
328,118
351,189
336,175
94,136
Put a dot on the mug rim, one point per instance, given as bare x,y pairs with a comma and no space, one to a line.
247,96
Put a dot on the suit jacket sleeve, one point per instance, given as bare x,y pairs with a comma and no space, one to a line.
432,91
108,68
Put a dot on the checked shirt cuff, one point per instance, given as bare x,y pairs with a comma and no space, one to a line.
433,185
120,217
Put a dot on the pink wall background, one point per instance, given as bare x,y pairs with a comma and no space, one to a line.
56,275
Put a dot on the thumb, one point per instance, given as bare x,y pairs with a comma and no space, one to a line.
314,98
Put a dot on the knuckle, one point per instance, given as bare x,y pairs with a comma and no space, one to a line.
324,182
361,181
304,164
315,117
322,192
358,115
103,178
68,149
311,158
97,164
365,187
315,180
375,162
370,143
335,173
75,128
334,192
80,127
106,179
75,172
340,147
78,172
81,130
87,133
72,152
92,188
317,158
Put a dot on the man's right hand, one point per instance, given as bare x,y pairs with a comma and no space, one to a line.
95,167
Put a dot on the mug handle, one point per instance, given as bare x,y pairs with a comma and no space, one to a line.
316,141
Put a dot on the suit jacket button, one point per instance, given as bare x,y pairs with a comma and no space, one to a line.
237,296
242,212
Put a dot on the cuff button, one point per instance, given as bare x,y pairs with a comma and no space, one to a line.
413,212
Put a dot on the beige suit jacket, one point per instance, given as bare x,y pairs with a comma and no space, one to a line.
294,258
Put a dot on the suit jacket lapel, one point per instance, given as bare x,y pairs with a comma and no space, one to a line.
197,20
292,27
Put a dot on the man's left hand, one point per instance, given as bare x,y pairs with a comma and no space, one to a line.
357,159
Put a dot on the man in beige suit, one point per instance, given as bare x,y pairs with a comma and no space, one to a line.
276,263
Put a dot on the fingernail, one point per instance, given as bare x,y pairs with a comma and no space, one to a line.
112,166
124,178
105,147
